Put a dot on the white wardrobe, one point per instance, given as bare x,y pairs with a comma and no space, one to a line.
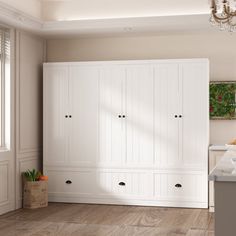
127,132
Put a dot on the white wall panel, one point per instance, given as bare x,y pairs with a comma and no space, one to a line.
4,182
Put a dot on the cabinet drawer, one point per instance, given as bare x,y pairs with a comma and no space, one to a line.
181,187
102,183
77,182
128,184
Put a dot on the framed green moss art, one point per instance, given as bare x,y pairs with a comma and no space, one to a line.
223,100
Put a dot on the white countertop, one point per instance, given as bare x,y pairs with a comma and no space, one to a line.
218,148
224,170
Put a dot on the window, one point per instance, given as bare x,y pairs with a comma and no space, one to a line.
5,104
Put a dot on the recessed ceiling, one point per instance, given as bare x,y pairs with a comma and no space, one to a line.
56,10
108,17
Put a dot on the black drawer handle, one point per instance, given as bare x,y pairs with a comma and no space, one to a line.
176,116
122,184
180,116
178,186
119,116
68,182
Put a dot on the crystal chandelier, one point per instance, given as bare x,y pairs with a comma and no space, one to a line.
223,14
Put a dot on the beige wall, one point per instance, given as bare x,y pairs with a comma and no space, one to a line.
30,52
218,47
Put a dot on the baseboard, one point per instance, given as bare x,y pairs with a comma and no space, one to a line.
19,203
112,201
211,209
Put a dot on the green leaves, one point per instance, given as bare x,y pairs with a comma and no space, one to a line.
222,100
32,175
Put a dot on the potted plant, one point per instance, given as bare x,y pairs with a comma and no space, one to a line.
35,194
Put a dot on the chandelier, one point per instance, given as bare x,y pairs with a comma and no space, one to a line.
223,14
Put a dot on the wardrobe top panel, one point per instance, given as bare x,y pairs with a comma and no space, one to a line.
129,62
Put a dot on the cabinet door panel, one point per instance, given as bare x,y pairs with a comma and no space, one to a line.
166,108
195,109
55,109
112,128
84,104
139,115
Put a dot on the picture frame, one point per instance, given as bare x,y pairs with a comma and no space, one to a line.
223,100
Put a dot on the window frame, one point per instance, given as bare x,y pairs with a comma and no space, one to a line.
5,35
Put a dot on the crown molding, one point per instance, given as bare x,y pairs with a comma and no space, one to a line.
121,26
16,18
105,27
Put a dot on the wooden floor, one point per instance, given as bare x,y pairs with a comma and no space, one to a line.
104,220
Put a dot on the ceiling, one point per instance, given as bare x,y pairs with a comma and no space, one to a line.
106,17
54,10
30,7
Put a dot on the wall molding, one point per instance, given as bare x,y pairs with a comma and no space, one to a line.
123,26
32,160
19,148
4,183
28,155
129,26
12,16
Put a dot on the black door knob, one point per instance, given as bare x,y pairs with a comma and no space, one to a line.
178,185
66,116
180,116
119,116
176,116
123,116
70,116
122,184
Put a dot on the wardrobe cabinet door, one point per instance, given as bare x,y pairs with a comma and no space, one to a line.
139,116
195,111
55,111
166,117
83,115
112,124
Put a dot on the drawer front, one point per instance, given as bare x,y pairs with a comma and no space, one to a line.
101,183
129,184
181,187
77,182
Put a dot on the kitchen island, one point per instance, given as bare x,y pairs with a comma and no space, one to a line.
224,177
